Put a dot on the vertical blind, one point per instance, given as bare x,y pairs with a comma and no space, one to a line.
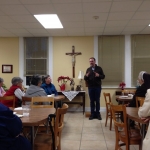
36,52
111,59
140,55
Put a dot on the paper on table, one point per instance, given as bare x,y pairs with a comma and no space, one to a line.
123,96
19,115
18,108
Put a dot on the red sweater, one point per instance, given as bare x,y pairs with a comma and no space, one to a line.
10,92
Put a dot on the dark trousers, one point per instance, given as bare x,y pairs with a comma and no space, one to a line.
94,94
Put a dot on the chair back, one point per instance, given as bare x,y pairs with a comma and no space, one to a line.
126,92
139,101
107,101
124,136
26,99
8,98
118,123
59,123
42,102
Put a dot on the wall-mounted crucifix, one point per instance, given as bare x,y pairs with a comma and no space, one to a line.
73,54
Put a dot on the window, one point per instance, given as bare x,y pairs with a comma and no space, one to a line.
140,48
111,59
36,52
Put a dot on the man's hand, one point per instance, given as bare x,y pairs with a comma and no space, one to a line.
146,119
96,74
87,74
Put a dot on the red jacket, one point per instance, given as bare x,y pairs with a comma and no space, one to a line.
10,92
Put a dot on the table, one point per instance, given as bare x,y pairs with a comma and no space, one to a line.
59,98
132,113
123,100
81,94
37,116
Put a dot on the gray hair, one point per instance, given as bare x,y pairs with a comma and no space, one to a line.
16,80
1,80
141,75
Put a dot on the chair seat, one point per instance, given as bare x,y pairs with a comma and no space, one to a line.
43,141
134,135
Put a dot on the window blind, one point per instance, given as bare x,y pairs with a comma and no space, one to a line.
36,52
140,48
111,59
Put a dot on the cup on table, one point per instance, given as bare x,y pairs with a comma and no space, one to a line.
26,110
130,95
52,95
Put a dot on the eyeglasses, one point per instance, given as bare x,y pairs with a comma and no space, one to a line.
91,61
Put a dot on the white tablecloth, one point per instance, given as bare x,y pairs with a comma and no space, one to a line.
70,94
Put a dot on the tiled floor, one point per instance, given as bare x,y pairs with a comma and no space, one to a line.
80,133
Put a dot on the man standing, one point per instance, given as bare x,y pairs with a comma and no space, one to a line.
93,77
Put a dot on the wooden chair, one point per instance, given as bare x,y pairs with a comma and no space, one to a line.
139,101
125,135
108,109
26,99
44,141
8,98
43,101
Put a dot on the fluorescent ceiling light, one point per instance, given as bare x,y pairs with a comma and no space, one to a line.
49,21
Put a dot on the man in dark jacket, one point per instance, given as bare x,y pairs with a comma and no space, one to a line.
93,77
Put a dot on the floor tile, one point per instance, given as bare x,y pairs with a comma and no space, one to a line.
70,145
93,145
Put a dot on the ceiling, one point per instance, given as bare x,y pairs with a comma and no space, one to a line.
116,17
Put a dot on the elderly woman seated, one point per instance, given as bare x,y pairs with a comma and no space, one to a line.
35,87
15,89
10,129
144,81
2,91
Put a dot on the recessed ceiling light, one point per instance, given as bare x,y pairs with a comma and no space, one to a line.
149,25
49,21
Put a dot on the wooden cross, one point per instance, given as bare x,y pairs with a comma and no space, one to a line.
73,54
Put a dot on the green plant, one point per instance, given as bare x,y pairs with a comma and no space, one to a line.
4,87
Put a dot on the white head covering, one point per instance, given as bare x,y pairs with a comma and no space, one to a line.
141,75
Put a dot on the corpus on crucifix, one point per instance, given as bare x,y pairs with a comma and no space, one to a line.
73,54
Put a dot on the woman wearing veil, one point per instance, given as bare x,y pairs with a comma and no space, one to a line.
144,81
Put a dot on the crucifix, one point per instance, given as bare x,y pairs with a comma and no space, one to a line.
73,54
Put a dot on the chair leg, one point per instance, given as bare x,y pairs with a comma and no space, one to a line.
106,120
110,123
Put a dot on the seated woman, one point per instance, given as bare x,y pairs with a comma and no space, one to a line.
2,92
35,87
10,129
144,81
15,89
144,112
48,87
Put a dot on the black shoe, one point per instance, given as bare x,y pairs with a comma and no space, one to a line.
99,117
91,117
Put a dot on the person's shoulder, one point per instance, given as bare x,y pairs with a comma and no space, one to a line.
148,91
43,85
